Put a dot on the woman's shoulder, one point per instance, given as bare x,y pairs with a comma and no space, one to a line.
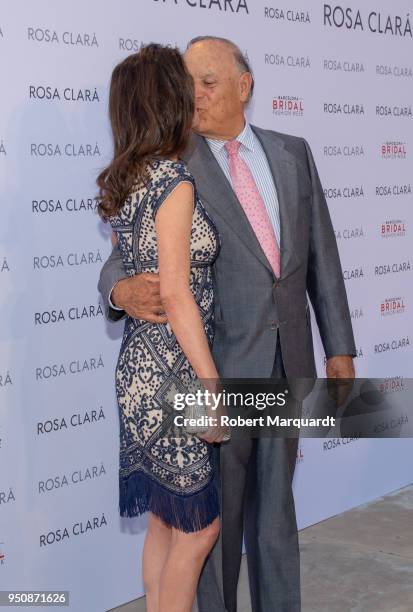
162,169
166,175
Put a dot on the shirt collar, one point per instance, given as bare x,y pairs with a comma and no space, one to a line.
246,138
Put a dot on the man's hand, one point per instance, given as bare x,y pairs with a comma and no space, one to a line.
340,367
139,297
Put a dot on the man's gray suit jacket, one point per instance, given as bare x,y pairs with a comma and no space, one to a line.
251,305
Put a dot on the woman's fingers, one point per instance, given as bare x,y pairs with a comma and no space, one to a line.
215,435
209,435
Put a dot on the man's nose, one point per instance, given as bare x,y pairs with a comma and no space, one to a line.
199,93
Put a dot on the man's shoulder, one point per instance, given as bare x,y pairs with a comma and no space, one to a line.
294,144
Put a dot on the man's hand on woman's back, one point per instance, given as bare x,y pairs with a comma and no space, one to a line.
139,297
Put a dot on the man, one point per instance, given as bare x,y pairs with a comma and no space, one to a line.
264,194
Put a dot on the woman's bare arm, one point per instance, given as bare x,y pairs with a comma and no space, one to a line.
173,228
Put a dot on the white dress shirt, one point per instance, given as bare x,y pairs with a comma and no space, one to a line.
252,153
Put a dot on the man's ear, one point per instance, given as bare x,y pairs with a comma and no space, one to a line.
245,84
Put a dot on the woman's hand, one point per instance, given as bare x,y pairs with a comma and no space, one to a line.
219,432
215,435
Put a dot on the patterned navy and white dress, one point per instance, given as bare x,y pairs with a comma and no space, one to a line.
168,474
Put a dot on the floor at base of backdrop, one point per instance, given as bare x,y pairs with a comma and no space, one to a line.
358,561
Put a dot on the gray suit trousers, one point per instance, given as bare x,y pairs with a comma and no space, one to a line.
256,499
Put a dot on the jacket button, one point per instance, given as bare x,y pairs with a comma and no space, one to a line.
274,325
275,283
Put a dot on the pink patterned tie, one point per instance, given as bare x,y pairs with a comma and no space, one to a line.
251,201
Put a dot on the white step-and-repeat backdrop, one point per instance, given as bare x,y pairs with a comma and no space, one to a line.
339,75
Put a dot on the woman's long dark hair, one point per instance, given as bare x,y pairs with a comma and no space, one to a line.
151,107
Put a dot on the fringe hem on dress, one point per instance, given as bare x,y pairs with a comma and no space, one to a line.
188,513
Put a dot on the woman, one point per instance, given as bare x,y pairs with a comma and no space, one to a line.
150,199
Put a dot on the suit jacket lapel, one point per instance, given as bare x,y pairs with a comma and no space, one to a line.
283,167
218,195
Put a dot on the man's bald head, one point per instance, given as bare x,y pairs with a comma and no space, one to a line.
241,62
223,84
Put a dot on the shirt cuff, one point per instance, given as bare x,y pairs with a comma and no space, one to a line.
111,303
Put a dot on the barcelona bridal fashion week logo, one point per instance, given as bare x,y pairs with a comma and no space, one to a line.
393,384
288,106
393,149
394,228
392,306
225,6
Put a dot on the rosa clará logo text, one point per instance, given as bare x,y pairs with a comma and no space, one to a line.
229,6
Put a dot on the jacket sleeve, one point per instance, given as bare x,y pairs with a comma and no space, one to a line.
325,283
111,273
